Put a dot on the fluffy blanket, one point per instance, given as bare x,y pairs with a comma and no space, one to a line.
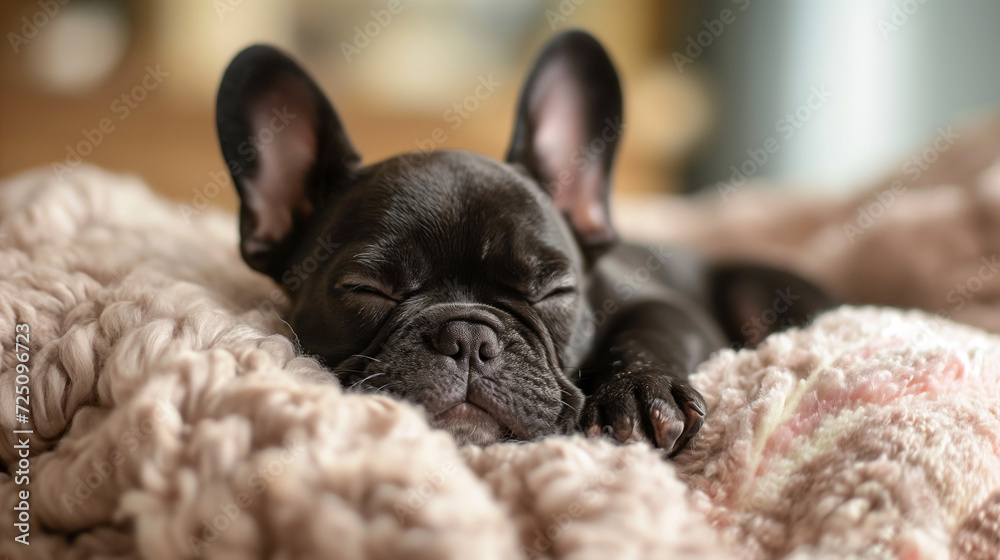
171,417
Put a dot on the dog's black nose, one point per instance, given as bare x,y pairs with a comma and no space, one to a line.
472,345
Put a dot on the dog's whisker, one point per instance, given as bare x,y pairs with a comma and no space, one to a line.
339,371
387,387
366,379
366,357
571,407
295,334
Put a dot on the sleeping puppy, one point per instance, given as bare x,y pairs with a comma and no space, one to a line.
493,293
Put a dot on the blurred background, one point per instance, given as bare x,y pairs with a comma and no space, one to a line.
814,95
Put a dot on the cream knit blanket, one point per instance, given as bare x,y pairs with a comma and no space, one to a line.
172,418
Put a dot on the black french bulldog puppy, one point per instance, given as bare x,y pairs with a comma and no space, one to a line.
494,294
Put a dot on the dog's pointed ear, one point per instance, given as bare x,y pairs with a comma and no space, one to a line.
285,148
569,121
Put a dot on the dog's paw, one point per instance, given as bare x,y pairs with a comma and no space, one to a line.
651,407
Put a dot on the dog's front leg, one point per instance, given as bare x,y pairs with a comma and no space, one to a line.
637,386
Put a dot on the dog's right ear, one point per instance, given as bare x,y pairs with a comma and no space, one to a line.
285,148
569,120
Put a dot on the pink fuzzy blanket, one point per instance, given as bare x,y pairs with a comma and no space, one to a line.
170,418
872,434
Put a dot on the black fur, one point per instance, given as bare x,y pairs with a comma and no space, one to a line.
494,294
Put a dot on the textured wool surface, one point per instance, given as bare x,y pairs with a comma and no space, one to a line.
173,418
872,434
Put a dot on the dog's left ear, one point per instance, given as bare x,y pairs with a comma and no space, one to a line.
285,148
569,121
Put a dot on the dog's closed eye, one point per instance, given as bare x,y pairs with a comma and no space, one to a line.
366,290
554,293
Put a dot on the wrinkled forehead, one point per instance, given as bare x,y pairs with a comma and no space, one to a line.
452,214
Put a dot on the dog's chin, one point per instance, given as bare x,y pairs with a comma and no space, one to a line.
470,425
